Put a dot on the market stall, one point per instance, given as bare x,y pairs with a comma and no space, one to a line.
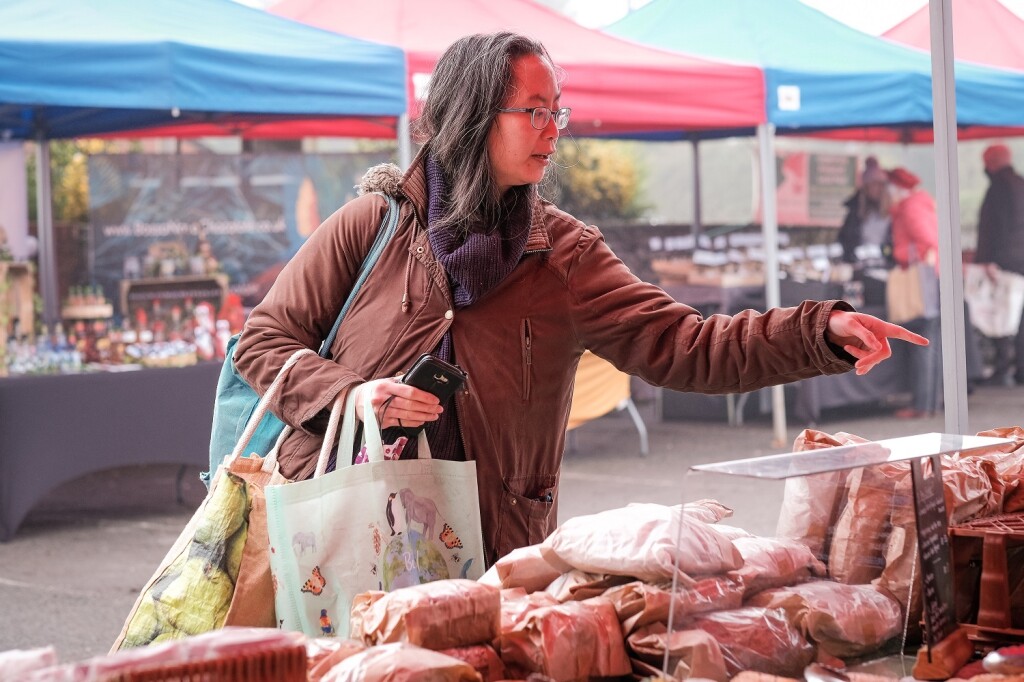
614,86
649,587
169,64
56,428
823,75
823,583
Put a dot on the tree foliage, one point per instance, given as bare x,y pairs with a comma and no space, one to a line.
69,177
597,180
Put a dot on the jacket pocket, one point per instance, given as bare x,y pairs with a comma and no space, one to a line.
526,334
526,514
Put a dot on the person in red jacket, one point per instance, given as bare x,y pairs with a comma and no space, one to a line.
915,239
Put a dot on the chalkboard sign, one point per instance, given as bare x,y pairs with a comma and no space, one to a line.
933,548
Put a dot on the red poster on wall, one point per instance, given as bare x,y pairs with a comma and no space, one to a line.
811,188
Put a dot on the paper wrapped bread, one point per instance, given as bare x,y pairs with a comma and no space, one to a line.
844,620
401,663
570,641
438,615
640,541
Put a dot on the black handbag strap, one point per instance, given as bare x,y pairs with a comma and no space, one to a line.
387,229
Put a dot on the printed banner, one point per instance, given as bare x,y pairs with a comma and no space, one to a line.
811,188
160,216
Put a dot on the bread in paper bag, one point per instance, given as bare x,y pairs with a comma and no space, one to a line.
532,568
323,653
861,534
691,653
578,585
638,603
812,504
640,541
775,562
436,615
844,620
576,640
483,658
758,639
401,662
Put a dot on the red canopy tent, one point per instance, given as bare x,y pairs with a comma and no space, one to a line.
984,31
613,85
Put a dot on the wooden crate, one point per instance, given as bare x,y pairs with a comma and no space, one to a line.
984,595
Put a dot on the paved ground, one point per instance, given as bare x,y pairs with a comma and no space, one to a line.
73,571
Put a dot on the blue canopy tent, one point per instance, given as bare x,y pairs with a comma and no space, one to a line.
103,66
821,74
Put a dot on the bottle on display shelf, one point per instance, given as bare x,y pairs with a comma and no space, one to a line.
233,311
99,330
116,352
142,328
128,335
80,335
205,348
159,331
223,337
141,320
176,330
60,339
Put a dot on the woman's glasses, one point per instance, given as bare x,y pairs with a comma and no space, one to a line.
541,116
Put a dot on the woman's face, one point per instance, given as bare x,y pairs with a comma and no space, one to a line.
520,153
874,189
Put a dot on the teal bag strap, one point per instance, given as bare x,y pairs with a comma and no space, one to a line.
388,226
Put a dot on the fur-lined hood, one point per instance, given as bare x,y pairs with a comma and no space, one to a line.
385,178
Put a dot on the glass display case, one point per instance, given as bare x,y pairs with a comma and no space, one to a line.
836,556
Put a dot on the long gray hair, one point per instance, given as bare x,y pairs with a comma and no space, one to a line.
470,83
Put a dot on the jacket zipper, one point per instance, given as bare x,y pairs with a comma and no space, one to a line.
462,436
527,357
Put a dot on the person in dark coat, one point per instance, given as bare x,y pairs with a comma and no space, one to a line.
1001,245
866,233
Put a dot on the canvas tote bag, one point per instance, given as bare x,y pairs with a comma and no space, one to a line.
217,572
995,302
912,292
903,294
379,525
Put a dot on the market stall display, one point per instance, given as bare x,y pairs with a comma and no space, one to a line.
646,586
108,419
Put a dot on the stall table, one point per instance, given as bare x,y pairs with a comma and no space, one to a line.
810,396
56,428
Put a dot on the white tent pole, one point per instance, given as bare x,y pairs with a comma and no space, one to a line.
44,225
404,142
947,195
770,230
697,223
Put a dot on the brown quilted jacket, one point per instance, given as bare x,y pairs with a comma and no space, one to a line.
520,343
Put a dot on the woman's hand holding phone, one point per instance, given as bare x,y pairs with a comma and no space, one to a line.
398,404
414,399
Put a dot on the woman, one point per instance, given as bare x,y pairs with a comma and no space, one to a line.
865,235
915,239
484,273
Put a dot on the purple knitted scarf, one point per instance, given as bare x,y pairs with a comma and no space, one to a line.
478,261
475,262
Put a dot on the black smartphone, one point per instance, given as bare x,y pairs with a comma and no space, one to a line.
436,376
